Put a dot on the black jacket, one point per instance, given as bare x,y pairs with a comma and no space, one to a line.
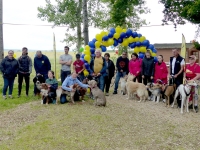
110,69
148,66
42,65
9,67
103,70
177,66
122,64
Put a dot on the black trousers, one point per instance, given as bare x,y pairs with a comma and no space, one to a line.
64,74
26,77
107,83
146,80
139,79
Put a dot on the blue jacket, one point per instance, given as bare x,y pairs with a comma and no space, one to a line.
53,82
42,65
103,70
70,81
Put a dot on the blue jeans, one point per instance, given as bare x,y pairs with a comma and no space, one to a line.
101,83
10,83
63,98
118,76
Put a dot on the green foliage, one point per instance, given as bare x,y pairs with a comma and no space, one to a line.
197,45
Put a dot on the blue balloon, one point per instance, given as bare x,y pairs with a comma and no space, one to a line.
86,65
105,38
128,32
82,59
141,55
134,34
122,35
94,40
103,48
91,44
155,59
139,35
112,30
115,42
150,47
154,50
92,50
138,44
146,43
110,35
120,40
93,55
133,45
82,56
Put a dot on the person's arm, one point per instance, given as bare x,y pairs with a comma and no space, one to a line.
48,63
127,68
2,66
182,68
142,68
17,69
30,65
54,86
74,70
117,65
35,66
81,84
152,70
61,61
112,68
103,70
64,85
165,72
92,66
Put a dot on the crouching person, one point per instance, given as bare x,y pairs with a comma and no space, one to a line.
68,83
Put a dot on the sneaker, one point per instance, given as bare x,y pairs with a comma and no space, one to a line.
164,100
107,94
196,108
18,96
4,96
190,107
54,101
10,96
115,92
26,95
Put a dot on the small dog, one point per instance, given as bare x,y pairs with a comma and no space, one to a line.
155,89
184,91
100,99
44,93
168,90
123,85
38,80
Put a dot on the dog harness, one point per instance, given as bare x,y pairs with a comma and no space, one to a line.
187,94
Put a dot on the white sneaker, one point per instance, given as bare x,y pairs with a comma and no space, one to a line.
10,96
164,100
41,101
4,96
107,94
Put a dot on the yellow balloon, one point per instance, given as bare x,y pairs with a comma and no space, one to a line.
110,42
99,37
116,35
124,30
136,50
153,54
125,42
103,33
87,58
118,29
87,48
136,39
142,38
143,49
87,52
97,44
88,90
86,73
105,43
14,55
130,39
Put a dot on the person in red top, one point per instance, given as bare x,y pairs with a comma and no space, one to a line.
161,71
192,72
135,65
78,67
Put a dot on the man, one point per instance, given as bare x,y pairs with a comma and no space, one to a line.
122,69
177,64
78,67
25,69
42,64
98,68
65,61
71,80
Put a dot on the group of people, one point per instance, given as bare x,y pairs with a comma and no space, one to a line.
102,67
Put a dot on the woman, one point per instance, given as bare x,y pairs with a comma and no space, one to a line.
110,71
161,71
192,73
135,67
147,68
9,67
78,67
53,85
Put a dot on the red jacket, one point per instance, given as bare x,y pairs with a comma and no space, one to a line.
135,66
161,72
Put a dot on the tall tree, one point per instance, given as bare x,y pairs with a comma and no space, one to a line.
85,22
1,31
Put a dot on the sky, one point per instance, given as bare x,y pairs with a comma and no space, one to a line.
41,37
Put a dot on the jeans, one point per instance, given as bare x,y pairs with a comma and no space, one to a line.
63,98
81,77
118,76
107,81
8,83
101,82
64,74
20,80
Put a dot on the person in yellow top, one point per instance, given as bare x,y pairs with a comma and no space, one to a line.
98,68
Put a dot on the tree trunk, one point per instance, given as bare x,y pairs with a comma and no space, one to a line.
79,35
85,22
1,31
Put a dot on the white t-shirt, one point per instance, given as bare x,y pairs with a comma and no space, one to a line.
173,63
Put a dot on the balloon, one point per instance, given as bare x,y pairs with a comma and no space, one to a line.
124,30
118,29
122,35
138,44
141,55
154,50
14,55
110,35
103,48
81,49
153,54
146,43
115,42
116,35
136,39
83,55
155,59
87,58
104,33
143,49
85,72
105,43
88,90
82,59
142,38
97,44
136,50
86,65
92,50
87,48
134,34
139,35
94,40
110,41
151,47
99,37
129,32
86,52
125,42
130,39
91,44
105,38
120,40
132,45
112,30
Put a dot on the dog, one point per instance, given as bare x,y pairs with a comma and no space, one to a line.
136,88
184,91
38,80
123,85
100,99
168,90
155,89
44,90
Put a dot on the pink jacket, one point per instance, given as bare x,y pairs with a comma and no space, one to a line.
135,66
161,72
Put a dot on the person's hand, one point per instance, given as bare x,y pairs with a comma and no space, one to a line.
93,74
175,76
121,70
79,72
143,76
151,77
49,86
98,74
73,90
38,74
137,72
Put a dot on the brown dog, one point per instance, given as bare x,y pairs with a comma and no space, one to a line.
168,90
44,93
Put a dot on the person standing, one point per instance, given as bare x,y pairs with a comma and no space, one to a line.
25,69
98,68
42,64
78,67
135,65
9,68
110,71
177,64
65,61
147,68
122,69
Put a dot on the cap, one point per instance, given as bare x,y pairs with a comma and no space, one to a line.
78,55
193,56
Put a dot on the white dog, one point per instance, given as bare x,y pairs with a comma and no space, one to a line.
123,85
184,91
155,90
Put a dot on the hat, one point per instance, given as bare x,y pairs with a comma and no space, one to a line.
78,55
193,56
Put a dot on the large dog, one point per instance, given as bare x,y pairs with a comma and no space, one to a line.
38,80
123,85
100,99
168,90
184,91
155,89
134,88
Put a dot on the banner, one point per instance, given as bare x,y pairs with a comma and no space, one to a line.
183,47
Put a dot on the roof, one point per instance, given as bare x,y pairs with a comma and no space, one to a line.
171,45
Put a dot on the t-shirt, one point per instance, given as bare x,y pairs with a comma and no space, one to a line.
98,64
78,65
65,57
191,71
173,64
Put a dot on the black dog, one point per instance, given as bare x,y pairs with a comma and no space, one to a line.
37,80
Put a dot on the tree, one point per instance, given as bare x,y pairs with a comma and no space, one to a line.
1,31
85,22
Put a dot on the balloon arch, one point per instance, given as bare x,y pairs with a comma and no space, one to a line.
116,36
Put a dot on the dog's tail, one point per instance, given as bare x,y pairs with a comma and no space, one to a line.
146,94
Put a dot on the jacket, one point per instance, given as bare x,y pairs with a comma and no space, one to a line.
25,64
54,84
110,69
103,70
9,67
122,64
70,81
42,65
161,72
148,66
177,67
135,66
